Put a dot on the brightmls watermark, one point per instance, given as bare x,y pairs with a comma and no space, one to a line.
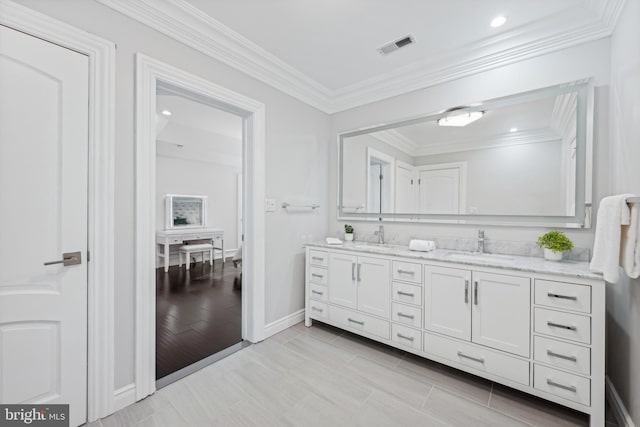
34,415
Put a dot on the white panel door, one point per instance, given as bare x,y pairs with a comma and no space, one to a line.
43,213
342,279
439,191
447,301
501,312
374,286
405,193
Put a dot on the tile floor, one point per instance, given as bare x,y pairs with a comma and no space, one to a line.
322,376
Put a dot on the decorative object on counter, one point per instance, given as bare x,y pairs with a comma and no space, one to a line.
422,245
554,243
617,241
348,233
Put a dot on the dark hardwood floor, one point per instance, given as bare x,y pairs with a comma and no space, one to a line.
198,313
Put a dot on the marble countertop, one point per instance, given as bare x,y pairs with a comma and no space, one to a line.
512,262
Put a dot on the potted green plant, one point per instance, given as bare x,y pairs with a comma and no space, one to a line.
348,232
554,243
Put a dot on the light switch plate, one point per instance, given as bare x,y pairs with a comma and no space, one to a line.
269,205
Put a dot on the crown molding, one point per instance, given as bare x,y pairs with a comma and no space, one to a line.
187,24
413,149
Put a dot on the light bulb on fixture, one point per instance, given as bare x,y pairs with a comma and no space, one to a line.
460,119
513,130
498,21
165,112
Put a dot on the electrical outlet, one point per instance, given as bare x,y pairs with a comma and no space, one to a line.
270,205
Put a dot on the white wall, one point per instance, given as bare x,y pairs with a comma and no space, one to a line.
218,182
584,61
496,176
623,298
296,162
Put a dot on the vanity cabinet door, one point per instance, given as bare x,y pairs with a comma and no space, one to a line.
374,286
447,301
501,312
342,279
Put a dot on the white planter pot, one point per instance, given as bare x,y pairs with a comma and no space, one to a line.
550,255
348,237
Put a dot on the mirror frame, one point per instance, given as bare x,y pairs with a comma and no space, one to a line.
584,166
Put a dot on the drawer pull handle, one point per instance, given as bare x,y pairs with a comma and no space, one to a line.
562,386
562,356
558,325
406,272
569,297
319,276
475,359
404,337
406,294
466,291
317,309
317,258
316,292
357,322
408,316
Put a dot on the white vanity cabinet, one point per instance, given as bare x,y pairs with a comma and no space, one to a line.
537,326
360,282
470,305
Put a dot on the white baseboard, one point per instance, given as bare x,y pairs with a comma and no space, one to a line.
284,323
617,405
124,396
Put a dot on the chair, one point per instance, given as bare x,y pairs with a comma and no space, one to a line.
187,250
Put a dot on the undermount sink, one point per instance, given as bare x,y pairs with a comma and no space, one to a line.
480,257
374,247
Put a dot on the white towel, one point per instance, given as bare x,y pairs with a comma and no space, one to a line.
612,214
630,245
422,245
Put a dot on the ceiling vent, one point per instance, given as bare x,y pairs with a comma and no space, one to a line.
395,45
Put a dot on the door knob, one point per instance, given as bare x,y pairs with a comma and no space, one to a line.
68,258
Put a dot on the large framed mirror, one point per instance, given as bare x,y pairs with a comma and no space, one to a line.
519,160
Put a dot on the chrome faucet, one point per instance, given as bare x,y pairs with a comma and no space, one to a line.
380,234
481,241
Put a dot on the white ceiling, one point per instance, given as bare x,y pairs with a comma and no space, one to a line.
324,52
334,41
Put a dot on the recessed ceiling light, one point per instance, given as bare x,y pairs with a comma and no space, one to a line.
165,112
498,21
513,130
460,120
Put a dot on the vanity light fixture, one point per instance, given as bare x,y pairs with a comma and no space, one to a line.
165,112
498,21
460,119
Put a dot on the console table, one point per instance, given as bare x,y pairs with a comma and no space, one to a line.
166,238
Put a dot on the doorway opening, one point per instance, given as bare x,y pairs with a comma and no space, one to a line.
199,211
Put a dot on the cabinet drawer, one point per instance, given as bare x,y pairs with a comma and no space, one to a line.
356,321
175,240
403,292
407,271
564,325
562,354
318,292
562,384
406,314
318,310
320,258
318,275
406,336
569,296
478,357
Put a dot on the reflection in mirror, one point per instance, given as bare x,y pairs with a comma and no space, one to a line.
516,156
